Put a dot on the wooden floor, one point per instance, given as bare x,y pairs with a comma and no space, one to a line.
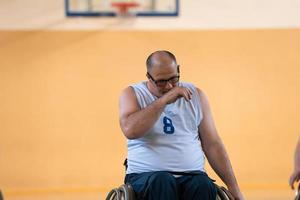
249,195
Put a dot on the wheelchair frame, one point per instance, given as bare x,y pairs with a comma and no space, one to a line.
125,192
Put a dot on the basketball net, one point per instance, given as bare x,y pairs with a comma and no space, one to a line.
123,9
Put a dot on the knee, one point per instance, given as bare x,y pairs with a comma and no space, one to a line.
163,179
200,187
203,183
161,186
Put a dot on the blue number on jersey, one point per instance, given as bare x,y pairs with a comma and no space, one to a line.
168,126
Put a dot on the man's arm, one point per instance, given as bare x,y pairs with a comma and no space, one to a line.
215,151
296,173
134,121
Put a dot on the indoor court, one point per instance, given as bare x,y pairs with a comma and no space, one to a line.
63,65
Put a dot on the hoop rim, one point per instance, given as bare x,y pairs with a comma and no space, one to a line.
123,7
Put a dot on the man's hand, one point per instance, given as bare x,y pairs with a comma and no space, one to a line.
236,193
295,177
177,92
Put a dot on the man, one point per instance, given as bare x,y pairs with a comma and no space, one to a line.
295,177
169,127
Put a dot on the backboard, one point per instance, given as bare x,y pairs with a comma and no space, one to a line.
91,8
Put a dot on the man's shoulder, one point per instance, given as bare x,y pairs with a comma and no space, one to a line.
139,89
138,84
189,85
133,87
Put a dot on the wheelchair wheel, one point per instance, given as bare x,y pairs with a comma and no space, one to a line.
223,193
298,194
124,192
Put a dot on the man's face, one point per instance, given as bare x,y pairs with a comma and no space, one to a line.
164,78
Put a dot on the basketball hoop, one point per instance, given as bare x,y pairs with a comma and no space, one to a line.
123,7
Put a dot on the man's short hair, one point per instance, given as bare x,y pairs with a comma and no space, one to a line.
150,59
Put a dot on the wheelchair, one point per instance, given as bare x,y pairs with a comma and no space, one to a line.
298,193
125,192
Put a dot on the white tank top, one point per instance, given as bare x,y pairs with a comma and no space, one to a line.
172,144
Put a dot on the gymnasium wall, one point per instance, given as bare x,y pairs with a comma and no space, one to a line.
60,80
59,95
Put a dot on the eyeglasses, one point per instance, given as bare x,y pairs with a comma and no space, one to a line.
162,83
